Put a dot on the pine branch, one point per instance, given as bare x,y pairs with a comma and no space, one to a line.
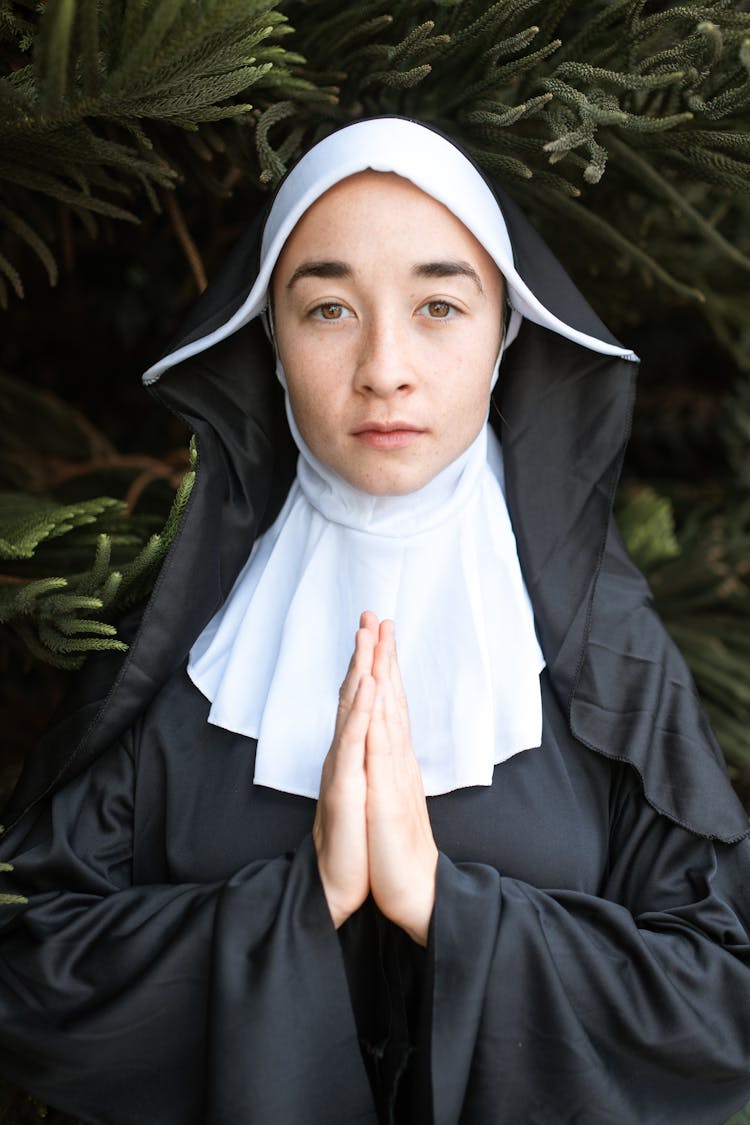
52,58
16,27
83,120
62,619
676,198
602,231
493,115
70,570
21,228
28,521
595,92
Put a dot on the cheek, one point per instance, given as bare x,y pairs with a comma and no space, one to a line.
315,413
303,404
301,377
468,405
311,367
474,370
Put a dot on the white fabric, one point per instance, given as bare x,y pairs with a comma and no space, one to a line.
442,563
389,144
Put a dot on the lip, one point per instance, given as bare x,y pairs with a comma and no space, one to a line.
387,435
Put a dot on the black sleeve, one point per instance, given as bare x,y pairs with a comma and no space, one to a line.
169,1004
629,1008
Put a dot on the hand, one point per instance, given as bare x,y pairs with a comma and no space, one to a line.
339,830
401,848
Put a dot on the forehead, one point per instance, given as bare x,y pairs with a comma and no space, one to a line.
378,209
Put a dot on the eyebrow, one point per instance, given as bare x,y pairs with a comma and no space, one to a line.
333,268
325,268
448,269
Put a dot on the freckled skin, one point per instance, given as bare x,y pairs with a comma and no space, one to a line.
385,344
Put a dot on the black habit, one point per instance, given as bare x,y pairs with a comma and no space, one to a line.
589,954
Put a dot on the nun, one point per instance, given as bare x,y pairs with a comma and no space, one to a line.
401,807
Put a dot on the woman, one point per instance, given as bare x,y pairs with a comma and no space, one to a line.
241,904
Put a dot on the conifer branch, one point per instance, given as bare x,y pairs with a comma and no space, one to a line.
645,170
599,228
53,61
69,570
62,619
15,27
568,85
79,122
18,226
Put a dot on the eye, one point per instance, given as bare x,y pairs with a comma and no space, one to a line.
330,311
439,310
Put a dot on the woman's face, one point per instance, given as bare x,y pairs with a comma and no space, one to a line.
387,314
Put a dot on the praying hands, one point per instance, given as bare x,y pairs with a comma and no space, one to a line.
372,830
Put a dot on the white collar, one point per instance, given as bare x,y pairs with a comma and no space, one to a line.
272,660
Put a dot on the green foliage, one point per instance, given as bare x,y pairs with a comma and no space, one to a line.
69,569
59,619
28,521
646,523
101,113
616,121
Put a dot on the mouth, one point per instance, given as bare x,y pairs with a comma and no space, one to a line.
387,435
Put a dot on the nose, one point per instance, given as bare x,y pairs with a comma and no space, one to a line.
384,365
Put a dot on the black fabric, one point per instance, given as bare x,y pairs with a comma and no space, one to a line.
589,958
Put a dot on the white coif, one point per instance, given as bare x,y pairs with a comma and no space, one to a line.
432,163
442,563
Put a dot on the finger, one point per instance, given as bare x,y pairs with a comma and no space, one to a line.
364,646
348,750
387,633
339,829
383,652
368,620
386,735
388,675
360,665
397,683
378,743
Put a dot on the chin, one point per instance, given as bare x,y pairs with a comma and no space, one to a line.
390,484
